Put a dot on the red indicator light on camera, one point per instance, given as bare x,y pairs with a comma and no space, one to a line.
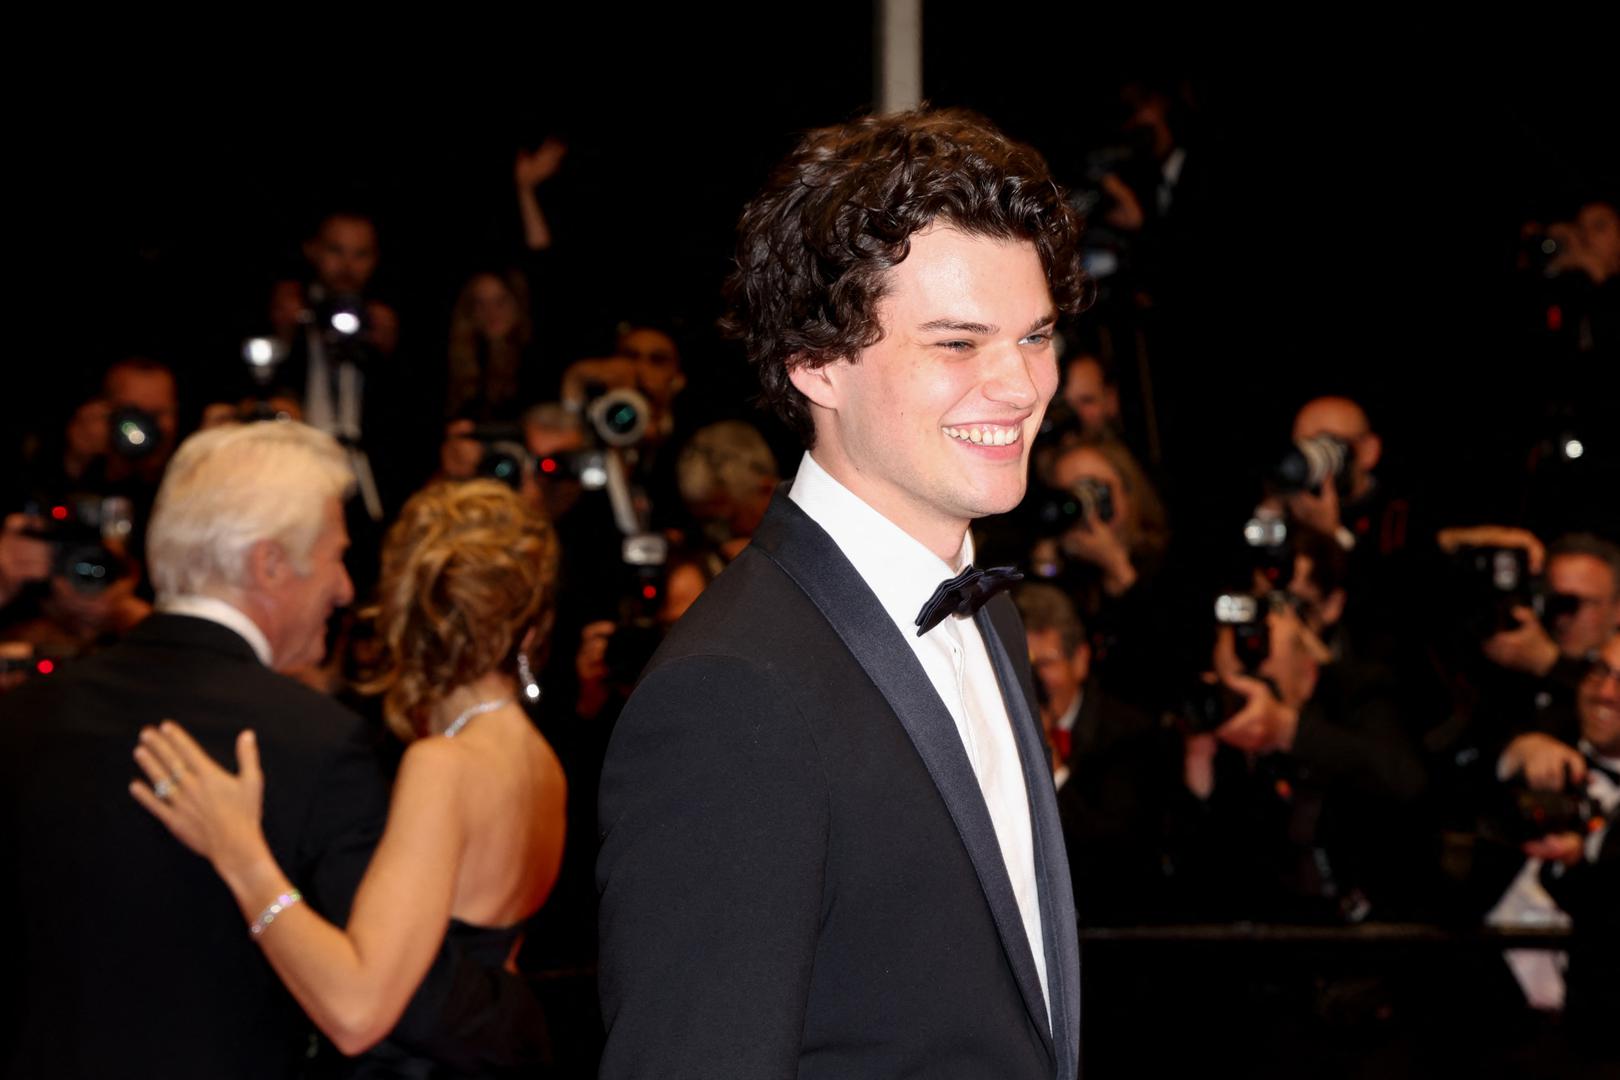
649,591
548,465
60,513
45,667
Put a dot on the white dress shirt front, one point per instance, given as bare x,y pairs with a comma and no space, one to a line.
903,573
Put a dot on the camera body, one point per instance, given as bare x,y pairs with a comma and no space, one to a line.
1486,583
341,323
86,534
1055,511
1208,705
1269,546
1523,814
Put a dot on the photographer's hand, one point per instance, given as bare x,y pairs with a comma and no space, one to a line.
1527,647
531,168
1264,725
1548,764
590,664
22,558
613,372
459,454
384,327
528,172
1126,212
1450,540
1198,764
1319,511
1567,848
1098,544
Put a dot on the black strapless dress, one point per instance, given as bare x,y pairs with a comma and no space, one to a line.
470,1020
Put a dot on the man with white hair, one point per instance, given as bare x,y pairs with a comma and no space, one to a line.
135,960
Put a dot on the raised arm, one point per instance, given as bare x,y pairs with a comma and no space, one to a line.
528,172
355,982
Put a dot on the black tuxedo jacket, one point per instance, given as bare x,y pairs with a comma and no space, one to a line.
130,955
798,873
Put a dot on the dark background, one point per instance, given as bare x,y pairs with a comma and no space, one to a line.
1371,188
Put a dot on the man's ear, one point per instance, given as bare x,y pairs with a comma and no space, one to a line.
266,565
1368,450
814,382
1333,608
1080,661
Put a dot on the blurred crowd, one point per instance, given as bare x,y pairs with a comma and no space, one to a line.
1321,692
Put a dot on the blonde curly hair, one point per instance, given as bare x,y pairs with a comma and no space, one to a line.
467,570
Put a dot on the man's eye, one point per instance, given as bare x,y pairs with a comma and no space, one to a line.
956,346
1043,338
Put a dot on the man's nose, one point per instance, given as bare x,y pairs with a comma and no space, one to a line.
1010,378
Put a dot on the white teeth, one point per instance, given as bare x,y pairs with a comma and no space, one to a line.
985,435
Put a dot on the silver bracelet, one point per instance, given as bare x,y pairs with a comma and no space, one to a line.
277,906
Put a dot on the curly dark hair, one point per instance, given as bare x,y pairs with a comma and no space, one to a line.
814,246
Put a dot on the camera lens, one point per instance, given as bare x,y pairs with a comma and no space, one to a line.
621,418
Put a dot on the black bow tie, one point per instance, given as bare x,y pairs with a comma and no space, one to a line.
965,594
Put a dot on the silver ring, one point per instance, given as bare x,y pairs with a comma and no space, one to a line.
165,787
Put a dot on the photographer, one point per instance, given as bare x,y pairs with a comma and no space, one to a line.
1575,871
1356,511
339,355
1110,562
1297,802
1091,390
727,475
1577,263
1536,663
23,558
1110,763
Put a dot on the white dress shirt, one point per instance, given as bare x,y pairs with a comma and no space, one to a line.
903,573
218,611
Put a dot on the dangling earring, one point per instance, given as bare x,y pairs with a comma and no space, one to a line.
531,689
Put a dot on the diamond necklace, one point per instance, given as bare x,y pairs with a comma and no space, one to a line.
479,709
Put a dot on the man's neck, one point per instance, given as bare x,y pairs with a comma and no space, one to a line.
250,613
941,535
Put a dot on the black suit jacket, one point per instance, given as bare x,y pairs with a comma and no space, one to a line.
130,954
798,873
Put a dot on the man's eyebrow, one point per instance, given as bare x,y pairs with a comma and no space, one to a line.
956,326
962,327
1042,323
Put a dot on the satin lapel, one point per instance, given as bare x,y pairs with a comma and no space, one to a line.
804,551
1003,630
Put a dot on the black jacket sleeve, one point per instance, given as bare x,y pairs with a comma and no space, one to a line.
715,830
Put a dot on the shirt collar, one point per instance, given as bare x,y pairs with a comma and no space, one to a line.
1072,713
1171,169
218,611
897,567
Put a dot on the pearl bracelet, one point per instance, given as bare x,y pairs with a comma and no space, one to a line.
277,906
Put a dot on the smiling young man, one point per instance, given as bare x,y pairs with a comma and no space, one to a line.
830,845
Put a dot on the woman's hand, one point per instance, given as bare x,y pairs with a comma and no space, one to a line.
212,811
